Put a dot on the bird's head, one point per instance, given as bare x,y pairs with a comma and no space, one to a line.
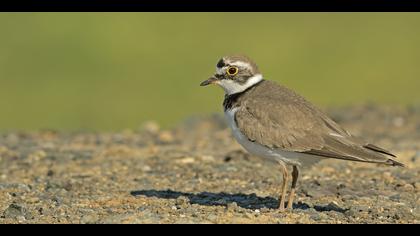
235,74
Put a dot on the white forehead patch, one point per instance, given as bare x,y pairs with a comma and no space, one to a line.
220,71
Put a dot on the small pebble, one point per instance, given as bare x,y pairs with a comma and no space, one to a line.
182,201
151,127
14,210
408,188
166,137
212,217
186,160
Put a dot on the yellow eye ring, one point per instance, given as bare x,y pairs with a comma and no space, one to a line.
231,70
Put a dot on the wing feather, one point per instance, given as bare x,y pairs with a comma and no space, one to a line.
284,120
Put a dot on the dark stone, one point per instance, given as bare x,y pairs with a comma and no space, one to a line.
236,155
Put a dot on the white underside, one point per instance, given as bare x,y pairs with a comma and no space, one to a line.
292,158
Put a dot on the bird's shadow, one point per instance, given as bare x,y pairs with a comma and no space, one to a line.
247,201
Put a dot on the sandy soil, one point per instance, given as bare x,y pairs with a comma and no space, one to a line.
197,173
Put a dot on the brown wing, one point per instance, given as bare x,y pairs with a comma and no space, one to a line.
286,121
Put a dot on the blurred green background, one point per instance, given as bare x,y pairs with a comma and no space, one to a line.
110,71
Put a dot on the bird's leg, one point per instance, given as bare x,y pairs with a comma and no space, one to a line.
284,185
295,176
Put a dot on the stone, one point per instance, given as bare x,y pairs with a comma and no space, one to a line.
407,188
182,201
89,219
166,137
186,160
151,127
14,210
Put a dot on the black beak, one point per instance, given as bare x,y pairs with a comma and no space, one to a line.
210,80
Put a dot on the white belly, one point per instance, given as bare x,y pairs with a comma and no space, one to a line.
257,149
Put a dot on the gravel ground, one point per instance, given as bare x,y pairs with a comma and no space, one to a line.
197,173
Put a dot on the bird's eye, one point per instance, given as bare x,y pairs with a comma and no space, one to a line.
232,70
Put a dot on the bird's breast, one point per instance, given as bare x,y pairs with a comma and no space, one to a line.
262,151
252,147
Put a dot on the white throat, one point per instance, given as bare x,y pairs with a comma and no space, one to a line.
231,87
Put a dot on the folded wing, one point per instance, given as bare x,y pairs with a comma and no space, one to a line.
288,122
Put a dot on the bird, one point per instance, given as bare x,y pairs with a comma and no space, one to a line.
272,121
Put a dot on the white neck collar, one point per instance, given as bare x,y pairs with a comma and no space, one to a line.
231,87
